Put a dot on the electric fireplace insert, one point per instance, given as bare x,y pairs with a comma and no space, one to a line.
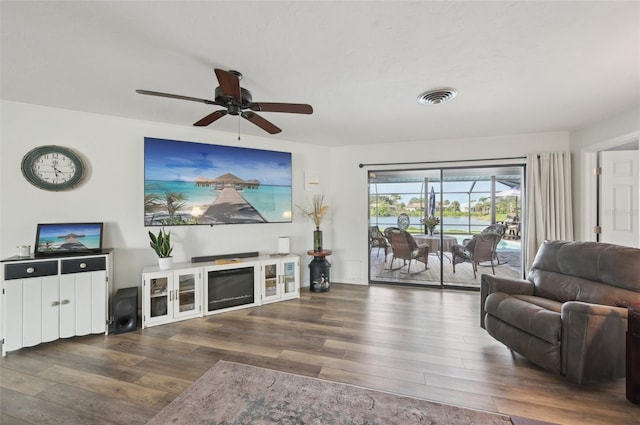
230,288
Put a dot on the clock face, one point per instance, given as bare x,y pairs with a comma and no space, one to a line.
52,168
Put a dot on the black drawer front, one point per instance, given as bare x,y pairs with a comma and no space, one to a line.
80,265
33,269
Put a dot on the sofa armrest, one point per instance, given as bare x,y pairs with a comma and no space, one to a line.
490,284
593,341
594,309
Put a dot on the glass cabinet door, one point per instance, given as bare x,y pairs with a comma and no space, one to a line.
270,280
159,297
290,276
170,295
185,295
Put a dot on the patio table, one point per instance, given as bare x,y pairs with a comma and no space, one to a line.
434,242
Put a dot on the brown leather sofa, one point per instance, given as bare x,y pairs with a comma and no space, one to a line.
568,316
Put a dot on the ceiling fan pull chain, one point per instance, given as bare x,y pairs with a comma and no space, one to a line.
238,128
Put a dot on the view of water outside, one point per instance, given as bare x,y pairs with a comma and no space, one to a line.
467,205
451,224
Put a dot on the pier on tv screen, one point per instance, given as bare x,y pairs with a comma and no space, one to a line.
60,238
189,183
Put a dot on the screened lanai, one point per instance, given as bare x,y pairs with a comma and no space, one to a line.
462,202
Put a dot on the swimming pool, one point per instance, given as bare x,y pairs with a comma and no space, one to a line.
504,243
509,244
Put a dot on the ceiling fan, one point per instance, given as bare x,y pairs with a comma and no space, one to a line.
237,101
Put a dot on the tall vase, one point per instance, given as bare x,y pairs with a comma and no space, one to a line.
317,240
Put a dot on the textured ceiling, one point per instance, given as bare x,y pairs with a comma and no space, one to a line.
519,67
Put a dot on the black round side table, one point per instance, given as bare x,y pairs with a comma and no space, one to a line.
319,269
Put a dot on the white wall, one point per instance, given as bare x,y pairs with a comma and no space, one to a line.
113,193
609,129
615,131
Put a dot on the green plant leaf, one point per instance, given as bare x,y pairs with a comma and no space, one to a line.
161,243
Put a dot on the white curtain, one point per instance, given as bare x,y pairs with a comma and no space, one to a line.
548,196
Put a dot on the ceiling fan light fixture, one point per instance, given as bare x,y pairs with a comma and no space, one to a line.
437,96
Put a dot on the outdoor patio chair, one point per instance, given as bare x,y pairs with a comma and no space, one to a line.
512,226
498,229
405,247
513,231
480,248
377,240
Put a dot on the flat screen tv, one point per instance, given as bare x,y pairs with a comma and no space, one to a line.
68,238
189,183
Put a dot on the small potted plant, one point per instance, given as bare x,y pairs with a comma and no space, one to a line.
161,244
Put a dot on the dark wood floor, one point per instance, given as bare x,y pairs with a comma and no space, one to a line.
424,343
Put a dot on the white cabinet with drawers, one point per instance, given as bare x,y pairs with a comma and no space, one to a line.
47,299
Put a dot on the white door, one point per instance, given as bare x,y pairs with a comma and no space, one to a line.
49,310
618,198
14,308
70,301
98,301
33,304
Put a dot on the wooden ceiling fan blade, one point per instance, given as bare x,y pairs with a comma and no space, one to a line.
261,122
176,96
293,108
229,84
211,118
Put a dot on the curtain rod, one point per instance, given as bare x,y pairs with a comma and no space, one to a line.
440,162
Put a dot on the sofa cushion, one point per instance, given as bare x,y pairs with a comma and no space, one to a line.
614,265
541,302
531,317
563,288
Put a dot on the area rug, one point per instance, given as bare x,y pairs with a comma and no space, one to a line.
231,393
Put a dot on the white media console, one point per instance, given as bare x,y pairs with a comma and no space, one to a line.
188,290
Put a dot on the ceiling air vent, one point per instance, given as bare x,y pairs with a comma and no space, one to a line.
435,97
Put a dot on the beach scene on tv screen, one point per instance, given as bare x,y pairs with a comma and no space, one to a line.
68,237
198,183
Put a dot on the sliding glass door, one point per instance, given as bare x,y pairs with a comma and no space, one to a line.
433,227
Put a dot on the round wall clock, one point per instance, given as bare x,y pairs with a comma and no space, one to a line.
53,168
